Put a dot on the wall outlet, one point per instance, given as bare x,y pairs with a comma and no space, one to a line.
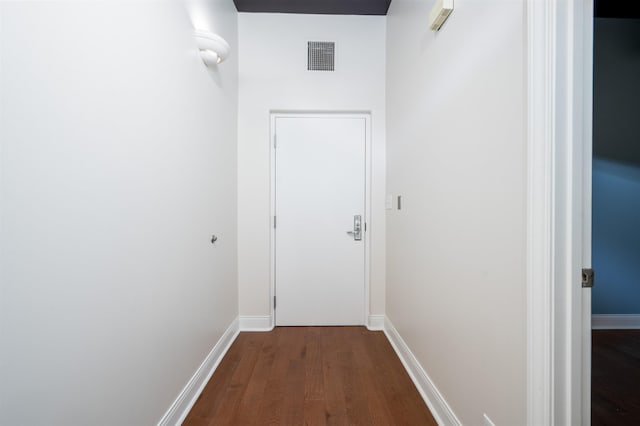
487,420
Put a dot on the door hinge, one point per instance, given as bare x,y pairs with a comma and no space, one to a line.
274,302
587,278
275,221
275,141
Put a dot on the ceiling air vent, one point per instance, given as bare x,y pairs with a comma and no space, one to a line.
320,55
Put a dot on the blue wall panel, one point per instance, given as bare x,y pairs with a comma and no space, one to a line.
616,166
616,237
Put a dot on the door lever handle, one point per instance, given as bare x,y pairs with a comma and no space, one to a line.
357,228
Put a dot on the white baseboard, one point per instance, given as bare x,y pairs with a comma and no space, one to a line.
376,322
615,322
487,420
441,411
178,411
256,323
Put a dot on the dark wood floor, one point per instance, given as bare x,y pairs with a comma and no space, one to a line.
310,376
615,381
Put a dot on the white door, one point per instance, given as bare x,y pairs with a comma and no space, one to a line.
319,198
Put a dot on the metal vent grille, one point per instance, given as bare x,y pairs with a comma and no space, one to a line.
320,55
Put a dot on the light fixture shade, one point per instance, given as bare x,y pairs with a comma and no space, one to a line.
213,48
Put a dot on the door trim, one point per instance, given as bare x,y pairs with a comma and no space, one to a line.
559,64
585,82
274,114
540,232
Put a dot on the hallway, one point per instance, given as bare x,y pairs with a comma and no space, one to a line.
138,214
310,376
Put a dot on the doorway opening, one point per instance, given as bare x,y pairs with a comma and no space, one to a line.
615,218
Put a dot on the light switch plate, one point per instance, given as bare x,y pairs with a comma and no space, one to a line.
388,202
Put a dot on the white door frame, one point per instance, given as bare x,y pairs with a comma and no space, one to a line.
559,68
584,49
367,203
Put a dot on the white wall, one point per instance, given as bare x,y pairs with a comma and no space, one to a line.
456,153
273,76
118,163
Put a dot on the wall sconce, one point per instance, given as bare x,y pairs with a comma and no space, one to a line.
213,48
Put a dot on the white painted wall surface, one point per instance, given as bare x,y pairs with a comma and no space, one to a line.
456,153
118,163
274,76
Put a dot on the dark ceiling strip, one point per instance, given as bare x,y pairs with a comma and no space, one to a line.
325,7
617,9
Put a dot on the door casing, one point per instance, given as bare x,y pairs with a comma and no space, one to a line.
559,74
367,213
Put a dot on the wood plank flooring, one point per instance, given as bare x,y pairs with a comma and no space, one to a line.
310,376
615,381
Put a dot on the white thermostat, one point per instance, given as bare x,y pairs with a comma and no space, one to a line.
439,13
